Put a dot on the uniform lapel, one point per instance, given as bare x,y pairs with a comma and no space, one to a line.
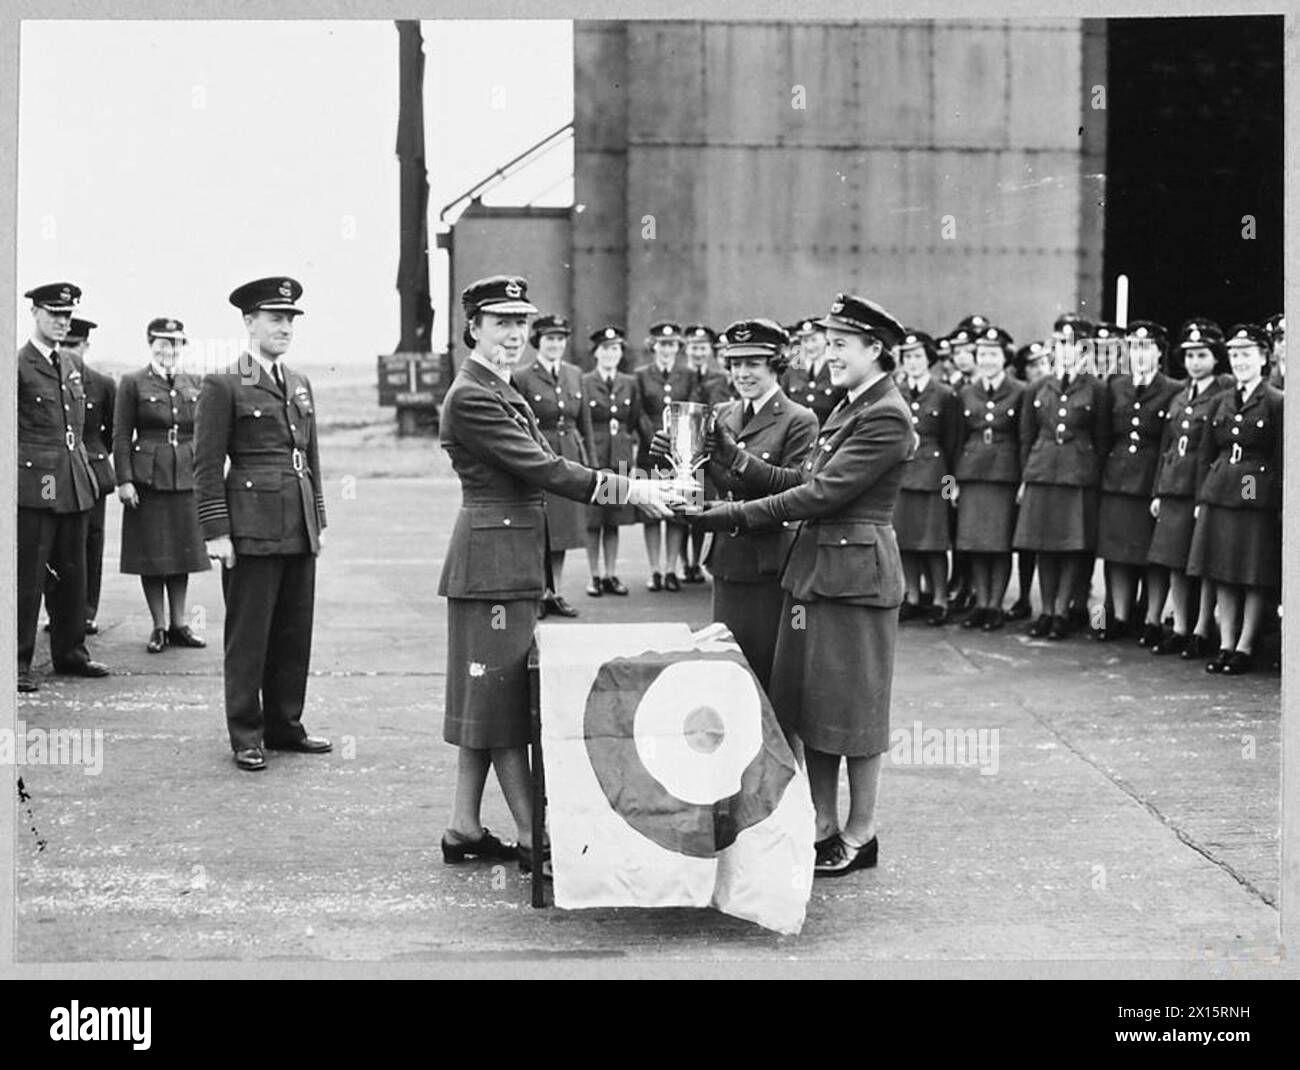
35,360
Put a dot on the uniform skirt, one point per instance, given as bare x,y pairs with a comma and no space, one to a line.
986,517
921,521
1124,527
832,678
487,672
753,613
161,536
1056,519
566,522
1238,546
1171,536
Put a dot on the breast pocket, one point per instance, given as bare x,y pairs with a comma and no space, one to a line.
848,561
505,553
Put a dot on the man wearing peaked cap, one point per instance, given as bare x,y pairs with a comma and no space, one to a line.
833,668
56,488
264,521
97,434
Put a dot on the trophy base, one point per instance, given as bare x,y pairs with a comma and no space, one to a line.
690,489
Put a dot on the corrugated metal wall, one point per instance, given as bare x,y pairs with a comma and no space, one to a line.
760,207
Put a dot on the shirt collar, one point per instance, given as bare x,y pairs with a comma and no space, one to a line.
665,367
863,387
920,384
552,369
43,349
502,375
767,396
996,382
1250,390
159,370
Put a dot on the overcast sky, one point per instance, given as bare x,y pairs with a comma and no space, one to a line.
163,163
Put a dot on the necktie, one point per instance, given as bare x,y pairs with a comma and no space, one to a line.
54,363
609,382
278,375
1241,397
171,380
749,411
988,388
1065,383
1141,389
916,392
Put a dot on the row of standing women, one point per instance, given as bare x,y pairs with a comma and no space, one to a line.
1175,484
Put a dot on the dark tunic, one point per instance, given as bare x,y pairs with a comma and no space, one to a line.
814,392
657,388
611,422
558,406
746,567
921,518
153,449
1175,480
832,675
988,466
1137,423
1064,434
1238,535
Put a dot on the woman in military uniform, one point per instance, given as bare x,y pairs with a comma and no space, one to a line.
1174,490
494,570
1030,364
611,417
1237,541
767,425
1139,402
808,380
988,473
1064,434
663,380
833,669
153,456
553,388
921,520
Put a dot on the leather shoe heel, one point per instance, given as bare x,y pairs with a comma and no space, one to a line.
157,641
251,759
671,583
182,636
839,858
486,848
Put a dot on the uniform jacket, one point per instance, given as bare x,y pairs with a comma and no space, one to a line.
54,472
1180,442
1136,426
781,434
1241,442
936,419
97,432
505,466
657,389
1064,436
817,394
557,405
845,548
611,420
990,449
153,430
270,439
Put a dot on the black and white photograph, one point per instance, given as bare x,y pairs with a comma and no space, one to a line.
514,494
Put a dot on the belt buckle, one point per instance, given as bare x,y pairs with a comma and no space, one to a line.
1060,437
69,436
988,436
172,437
1235,455
298,463
613,427
1182,445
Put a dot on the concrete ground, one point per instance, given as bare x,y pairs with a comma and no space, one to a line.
1133,813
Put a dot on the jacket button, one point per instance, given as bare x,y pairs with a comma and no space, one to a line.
844,542
1236,430
766,455
29,464
1260,424
1237,417
1137,405
1132,449
1060,427
293,427
988,416
966,412
989,404
506,521
1060,412
137,449
810,397
784,523
1136,420
248,483
1186,425
257,412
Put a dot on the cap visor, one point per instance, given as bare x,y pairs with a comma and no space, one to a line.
747,349
509,308
835,323
55,308
174,335
287,307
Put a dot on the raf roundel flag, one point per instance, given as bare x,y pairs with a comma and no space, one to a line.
668,780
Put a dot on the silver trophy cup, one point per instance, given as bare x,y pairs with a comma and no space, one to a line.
687,426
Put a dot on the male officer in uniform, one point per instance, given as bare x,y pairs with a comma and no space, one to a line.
263,521
56,489
101,395
811,385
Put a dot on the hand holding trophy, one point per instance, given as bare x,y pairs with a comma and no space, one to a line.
686,427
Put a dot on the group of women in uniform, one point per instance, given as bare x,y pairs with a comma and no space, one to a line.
1162,457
